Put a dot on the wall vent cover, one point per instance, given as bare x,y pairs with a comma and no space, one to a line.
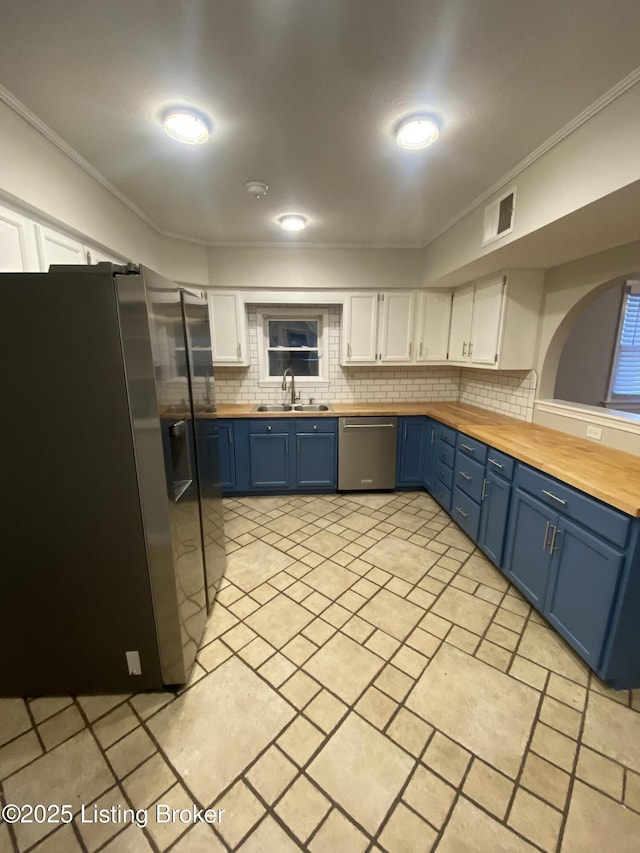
499,217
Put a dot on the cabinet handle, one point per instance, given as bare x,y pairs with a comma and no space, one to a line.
286,447
298,446
410,348
315,427
239,351
464,348
268,429
465,475
230,434
552,544
497,464
553,497
433,436
546,533
348,350
404,433
466,447
484,489
420,356
463,514
470,349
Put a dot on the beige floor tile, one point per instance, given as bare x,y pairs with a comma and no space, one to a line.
471,830
271,774
130,841
330,579
300,740
302,808
209,757
561,717
338,834
436,625
213,655
601,772
463,609
128,753
377,576
264,593
376,707
316,602
454,537
465,584
97,706
546,648
237,526
536,820
336,615
400,558
279,620
488,788
447,758
325,710
394,682
399,587
406,520
268,838
298,591
421,597
502,637
319,631
151,779
555,747
326,543
74,772
285,525
60,727
490,713
352,601
300,689
256,652
344,667
382,644
239,637
61,840
299,649
41,708
463,639
613,730
429,796
242,811
528,672
392,614
566,691
632,791
494,655
440,573
243,607
199,839
95,833
509,620
409,731
358,522
277,669
358,629
545,781
406,831
409,661
254,564
372,771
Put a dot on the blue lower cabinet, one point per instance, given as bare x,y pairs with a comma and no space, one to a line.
316,460
410,452
429,460
269,460
442,494
227,455
584,578
465,512
496,496
528,561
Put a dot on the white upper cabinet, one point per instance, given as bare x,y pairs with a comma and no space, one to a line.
360,328
494,322
18,252
56,248
377,328
396,327
95,256
432,328
228,328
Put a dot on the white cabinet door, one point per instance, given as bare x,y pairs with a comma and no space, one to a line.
228,328
95,256
359,328
18,251
461,315
56,248
487,322
397,322
434,319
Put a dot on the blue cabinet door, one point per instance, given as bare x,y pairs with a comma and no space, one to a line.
410,459
269,466
527,562
493,518
429,457
316,460
226,449
584,578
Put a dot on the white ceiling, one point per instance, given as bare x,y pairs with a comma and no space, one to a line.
304,95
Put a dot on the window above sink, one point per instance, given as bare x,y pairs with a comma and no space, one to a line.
295,339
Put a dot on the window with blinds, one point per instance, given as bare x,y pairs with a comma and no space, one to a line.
625,375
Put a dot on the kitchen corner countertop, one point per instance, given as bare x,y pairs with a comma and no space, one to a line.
612,476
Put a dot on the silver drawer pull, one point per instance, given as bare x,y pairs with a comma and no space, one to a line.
462,513
369,426
553,497
466,447
546,534
497,464
484,489
552,544
466,476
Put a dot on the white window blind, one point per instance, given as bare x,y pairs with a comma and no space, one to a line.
626,370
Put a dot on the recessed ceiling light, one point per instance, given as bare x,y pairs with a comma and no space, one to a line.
293,222
186,125
417,132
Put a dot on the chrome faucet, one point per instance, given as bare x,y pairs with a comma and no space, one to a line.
289,372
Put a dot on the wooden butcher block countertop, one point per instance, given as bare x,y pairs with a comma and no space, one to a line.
610,475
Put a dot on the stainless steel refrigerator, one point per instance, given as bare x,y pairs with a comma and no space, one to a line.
111,521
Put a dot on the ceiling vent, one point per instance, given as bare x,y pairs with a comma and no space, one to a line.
499,216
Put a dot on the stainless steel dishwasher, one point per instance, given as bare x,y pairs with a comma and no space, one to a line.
367,453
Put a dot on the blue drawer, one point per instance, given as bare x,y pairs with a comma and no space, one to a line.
444,475
445,453
447,434
277,425
471,447
468,475
443,495
600,518
305,425
500,463
466,513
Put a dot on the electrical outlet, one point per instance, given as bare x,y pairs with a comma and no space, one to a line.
594,432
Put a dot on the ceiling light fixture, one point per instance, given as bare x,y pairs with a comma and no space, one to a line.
186,125
257,189
293,222
417,132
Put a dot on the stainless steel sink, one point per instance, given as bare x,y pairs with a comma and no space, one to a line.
312,407
285,407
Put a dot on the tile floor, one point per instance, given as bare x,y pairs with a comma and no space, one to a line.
367,681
